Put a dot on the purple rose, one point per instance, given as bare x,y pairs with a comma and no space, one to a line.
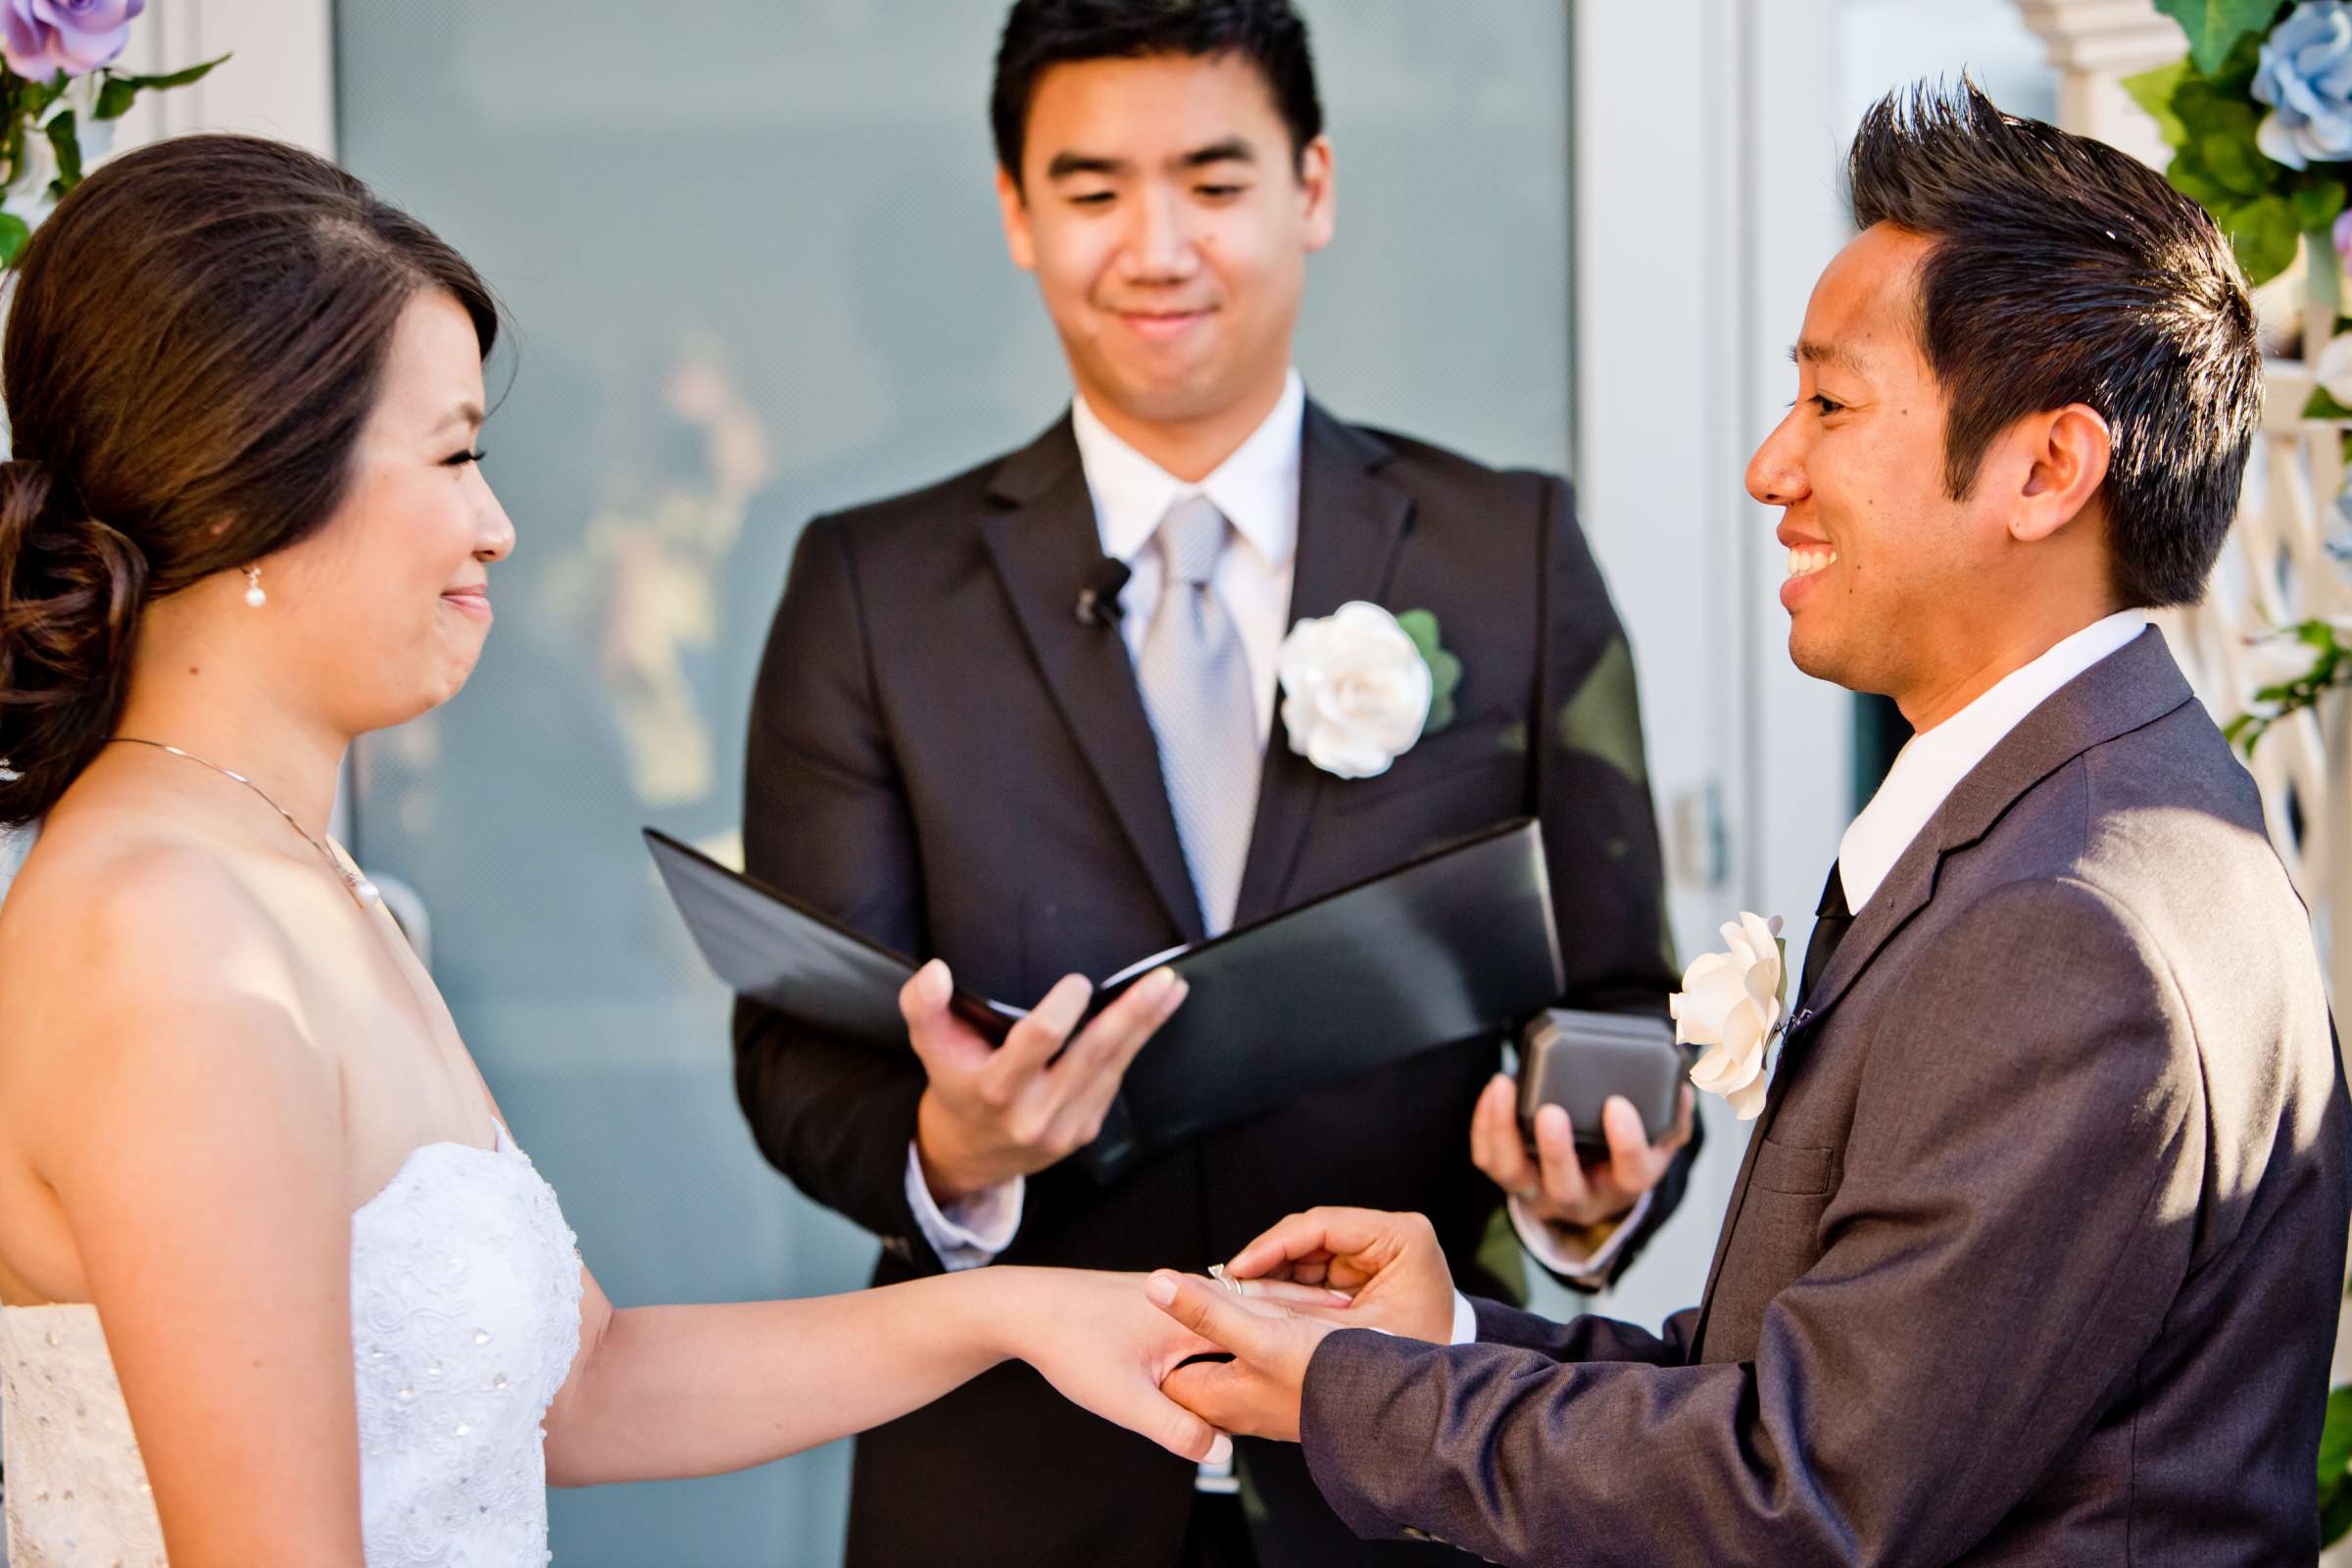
40,38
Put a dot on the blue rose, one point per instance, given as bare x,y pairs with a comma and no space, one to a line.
2306,73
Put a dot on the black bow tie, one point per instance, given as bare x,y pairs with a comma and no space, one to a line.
1829,923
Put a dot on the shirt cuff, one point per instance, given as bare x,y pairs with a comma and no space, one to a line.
1465,1321
1581,1253
981,1226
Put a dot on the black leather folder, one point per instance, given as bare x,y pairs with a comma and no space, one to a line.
1456,942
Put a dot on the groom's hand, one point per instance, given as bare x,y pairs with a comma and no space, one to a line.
991,1113
1556,1184
1389,1264
1258,1393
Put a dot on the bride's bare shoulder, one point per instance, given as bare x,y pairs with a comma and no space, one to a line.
115,908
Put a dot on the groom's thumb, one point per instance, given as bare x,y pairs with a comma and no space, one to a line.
1207,1311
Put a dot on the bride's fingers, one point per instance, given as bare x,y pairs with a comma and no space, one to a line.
1183,1433
1288,1292
1207,1390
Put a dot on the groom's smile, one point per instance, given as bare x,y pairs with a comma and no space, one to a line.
1874,534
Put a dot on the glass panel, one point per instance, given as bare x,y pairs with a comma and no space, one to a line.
753,259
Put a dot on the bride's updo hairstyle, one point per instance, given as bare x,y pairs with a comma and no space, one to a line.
194,345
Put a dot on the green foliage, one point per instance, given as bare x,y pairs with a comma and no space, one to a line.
2206,109
2216,26
2335,1468
66,139
118,94
29,108
2322,406
2264,235
1444,668
2153,91
2330,667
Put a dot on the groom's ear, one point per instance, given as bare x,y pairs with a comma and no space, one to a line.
2066,455
1014,208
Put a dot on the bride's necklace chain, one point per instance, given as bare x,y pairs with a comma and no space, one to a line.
362,890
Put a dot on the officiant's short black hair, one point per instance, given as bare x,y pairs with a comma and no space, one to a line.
2063,270
1039,34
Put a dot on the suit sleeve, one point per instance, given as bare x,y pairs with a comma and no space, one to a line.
2014,1220
1600,832
826,821
1588,1337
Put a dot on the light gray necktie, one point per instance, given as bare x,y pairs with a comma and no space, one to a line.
1195,684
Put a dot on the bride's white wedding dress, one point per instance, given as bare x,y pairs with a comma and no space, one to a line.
465,1318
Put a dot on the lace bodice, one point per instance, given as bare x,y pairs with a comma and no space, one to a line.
465,1318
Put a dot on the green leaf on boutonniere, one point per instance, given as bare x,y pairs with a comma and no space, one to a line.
1444,669
14,233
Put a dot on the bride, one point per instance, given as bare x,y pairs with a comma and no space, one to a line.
277,1285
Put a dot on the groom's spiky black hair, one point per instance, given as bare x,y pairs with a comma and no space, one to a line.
1041,33
2063,270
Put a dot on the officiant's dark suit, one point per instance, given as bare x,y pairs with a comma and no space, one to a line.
942,754
957,750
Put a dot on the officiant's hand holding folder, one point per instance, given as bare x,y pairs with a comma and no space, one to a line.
1455,943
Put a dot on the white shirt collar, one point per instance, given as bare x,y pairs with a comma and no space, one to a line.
1257,488
1933,764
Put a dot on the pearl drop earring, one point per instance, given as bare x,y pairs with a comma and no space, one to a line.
253,588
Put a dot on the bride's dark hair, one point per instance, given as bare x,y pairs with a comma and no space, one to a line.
194,345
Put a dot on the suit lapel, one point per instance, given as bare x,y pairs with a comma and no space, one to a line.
2129,690
1045,546
1350,524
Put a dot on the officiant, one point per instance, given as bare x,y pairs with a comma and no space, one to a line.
1027,721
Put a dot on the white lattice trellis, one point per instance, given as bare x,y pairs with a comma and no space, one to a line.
2276,571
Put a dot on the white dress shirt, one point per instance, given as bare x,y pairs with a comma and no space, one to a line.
1932,763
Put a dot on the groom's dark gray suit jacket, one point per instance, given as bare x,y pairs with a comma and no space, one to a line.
2036,1254
944,756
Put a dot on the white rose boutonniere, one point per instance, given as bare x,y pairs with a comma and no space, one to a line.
1731,1004
1360,687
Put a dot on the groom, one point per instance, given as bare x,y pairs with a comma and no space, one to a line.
2038,1251
1026,720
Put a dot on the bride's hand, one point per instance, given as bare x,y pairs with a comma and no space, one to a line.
1102,1344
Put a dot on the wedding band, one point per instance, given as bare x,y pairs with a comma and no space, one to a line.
1216,1271
1528,1195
